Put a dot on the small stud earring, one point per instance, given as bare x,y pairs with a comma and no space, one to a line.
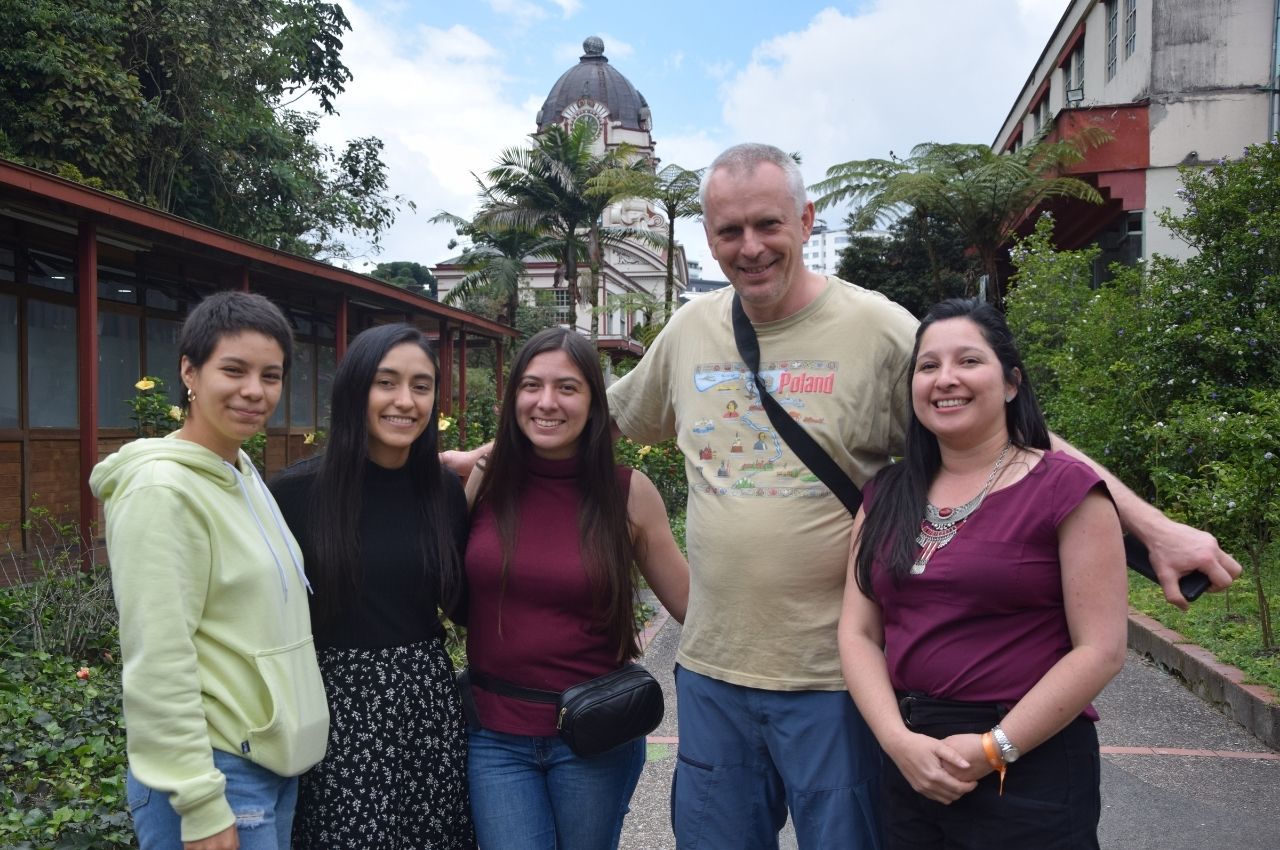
1008,399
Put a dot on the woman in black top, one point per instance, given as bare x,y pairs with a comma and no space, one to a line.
382,525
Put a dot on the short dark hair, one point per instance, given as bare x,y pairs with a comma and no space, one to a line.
229,313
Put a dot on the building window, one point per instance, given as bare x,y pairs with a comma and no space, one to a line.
1130,26
564,307
8,362
302,386
118,362
1078,76
1113,35
162,353
1042,113
52,375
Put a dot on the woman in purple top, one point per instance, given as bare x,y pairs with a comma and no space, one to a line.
557,534
985,606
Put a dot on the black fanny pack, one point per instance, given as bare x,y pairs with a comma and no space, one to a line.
595,716
920,710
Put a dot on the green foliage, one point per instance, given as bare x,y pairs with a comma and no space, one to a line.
664,464
152,413
414,277
1050,289
183,105
256,448
62,757
922,262
1171,374
983,193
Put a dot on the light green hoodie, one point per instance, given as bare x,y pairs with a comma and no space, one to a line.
214,625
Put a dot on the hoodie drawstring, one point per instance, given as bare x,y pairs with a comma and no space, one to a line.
244,491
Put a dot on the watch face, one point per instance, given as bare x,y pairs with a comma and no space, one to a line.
590,123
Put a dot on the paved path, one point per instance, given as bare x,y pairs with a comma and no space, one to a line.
1176,774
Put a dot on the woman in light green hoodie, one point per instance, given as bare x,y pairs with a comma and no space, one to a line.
223,700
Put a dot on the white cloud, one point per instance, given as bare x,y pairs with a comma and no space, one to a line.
854,86
436,99
568,7
519,11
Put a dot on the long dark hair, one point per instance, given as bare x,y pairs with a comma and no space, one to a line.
604,531
902,489
339,484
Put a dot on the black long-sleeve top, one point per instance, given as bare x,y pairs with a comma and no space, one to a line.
398,601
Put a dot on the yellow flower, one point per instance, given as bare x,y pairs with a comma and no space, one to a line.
145,384
445,422
309,439
644,450
175,413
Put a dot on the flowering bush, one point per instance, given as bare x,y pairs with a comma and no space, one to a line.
664,464
153,414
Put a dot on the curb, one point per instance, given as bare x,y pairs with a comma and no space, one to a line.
1254,707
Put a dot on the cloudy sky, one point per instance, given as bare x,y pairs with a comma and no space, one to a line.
448,85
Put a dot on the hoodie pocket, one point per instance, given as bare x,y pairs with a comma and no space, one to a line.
294,738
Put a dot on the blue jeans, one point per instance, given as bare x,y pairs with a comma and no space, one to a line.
263,804
535,794
747,755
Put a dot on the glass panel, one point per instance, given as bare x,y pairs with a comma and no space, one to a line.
8,361
117,285
163,295
327,364
118,368
302,386
162,354
277,419
8,262
51,271
51,365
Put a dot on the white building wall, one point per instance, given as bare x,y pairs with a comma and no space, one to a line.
1203,66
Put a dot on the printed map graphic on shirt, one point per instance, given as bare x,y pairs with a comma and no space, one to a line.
739,453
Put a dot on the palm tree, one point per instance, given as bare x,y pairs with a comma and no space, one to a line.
983,193
495,263
675,190
559,187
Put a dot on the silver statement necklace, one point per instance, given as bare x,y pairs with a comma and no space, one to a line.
940,525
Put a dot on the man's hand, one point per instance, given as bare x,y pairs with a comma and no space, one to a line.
462,462
1177,550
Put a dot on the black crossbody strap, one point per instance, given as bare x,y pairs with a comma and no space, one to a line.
501,687
805,447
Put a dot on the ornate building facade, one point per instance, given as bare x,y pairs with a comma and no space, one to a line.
597,94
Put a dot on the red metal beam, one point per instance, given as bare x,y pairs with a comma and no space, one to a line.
499,383
445,388
90,202
87,353
340,329
462,387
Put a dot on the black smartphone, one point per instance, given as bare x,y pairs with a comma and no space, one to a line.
1139,560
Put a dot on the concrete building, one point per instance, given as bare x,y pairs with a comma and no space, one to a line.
595,93
1176,83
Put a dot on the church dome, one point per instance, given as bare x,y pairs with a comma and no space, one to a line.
593,79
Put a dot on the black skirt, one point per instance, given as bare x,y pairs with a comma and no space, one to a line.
394,775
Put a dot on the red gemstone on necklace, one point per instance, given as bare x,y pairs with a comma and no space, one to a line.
944,512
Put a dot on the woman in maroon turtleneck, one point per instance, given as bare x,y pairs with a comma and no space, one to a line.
558,531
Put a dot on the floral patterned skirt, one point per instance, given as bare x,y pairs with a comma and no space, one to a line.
394,775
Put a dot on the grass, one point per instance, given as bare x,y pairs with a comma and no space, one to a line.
1224,623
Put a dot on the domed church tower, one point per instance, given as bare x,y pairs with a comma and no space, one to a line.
595,92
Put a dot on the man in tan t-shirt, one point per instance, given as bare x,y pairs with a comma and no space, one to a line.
765,722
